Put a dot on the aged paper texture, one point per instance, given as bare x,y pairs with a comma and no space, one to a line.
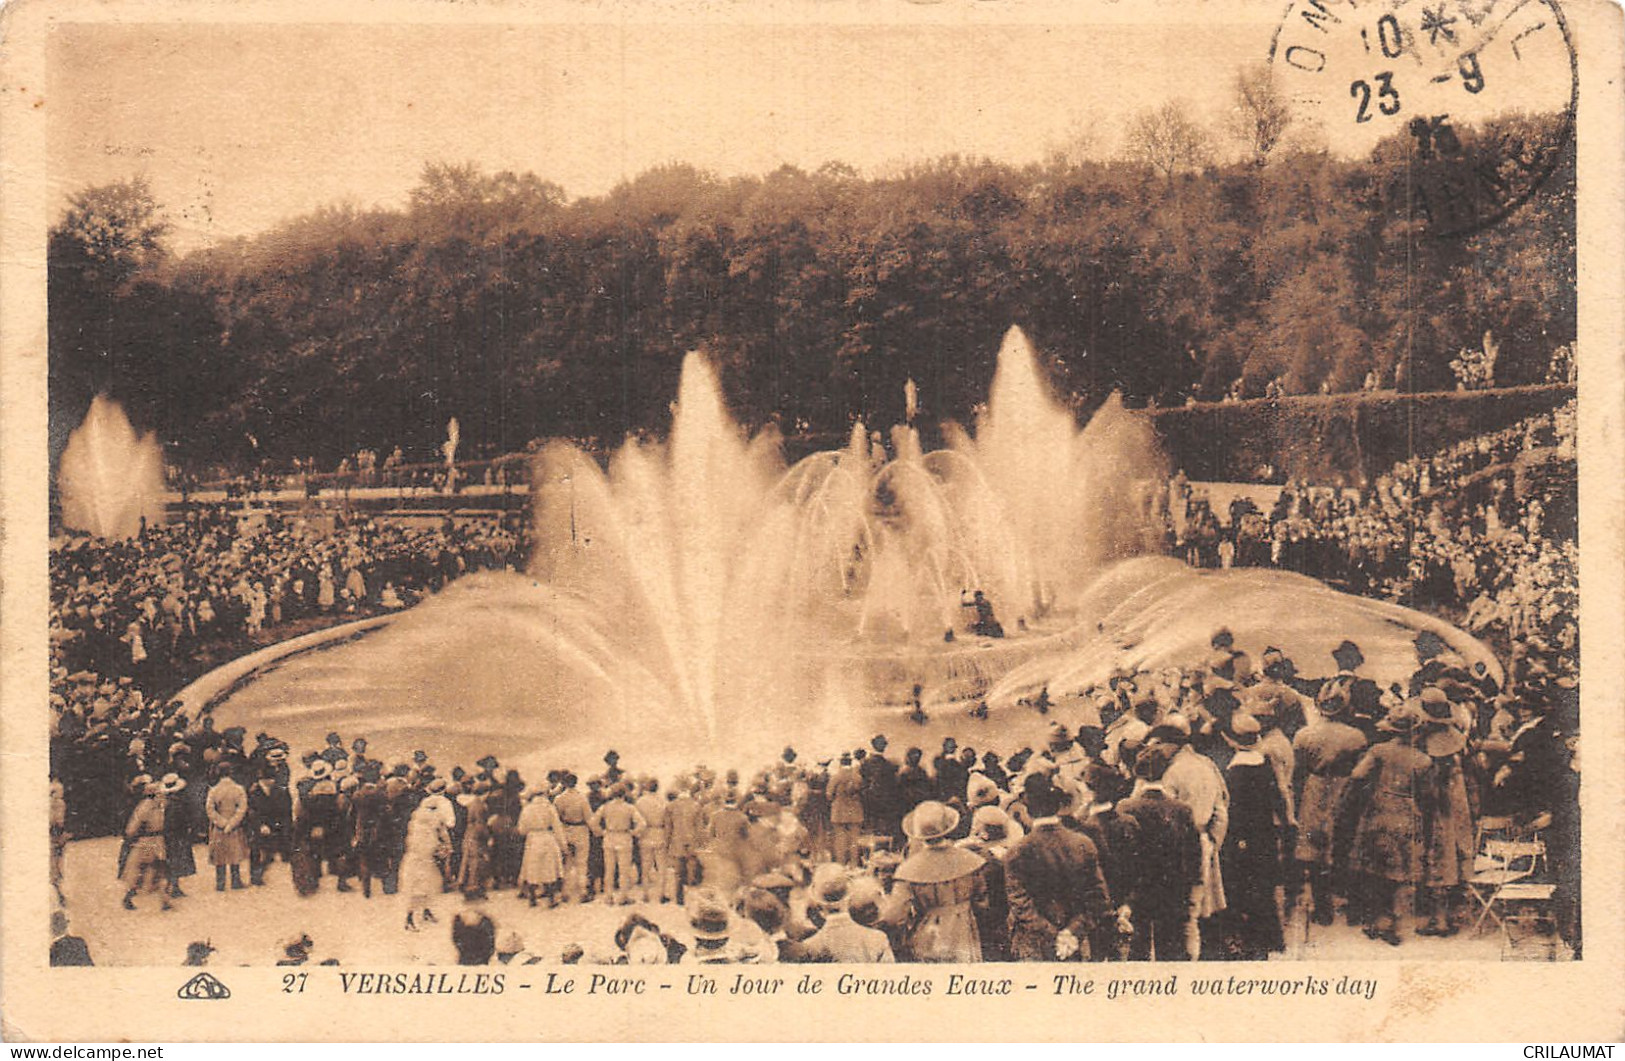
976,519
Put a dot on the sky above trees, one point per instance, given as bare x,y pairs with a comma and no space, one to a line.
238,127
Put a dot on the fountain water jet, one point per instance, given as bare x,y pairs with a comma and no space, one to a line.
110,477
697,599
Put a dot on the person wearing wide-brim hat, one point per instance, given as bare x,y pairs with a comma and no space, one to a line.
944,881
142,861
711,924
840,938
179,815
1388,848
1447,817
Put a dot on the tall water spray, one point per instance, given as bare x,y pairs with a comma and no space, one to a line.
698,600
703,573
110,477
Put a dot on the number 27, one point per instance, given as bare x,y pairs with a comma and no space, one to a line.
293,983
1387,96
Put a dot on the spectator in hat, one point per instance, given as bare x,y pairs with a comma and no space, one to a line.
1388,850
640,941
651,842
1365,698
846,811
1116,839
473,933
142,863
574,812
711,925
944,882
1053,883
992,835
475,867
1168,863
619,822
179,860
882,801
685,830
951,773
1447,817
914,782
1324,755
542,867
318,835
814,813
1128,730
67,949
1195,780
841,939
269,823
769,914
1251,854
373,848
427,850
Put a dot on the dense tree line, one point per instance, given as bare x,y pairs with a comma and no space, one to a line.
495,299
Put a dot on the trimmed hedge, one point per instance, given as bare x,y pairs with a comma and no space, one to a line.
1337,438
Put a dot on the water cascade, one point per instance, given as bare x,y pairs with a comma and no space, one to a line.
110,477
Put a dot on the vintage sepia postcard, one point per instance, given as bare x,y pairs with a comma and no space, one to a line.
903,519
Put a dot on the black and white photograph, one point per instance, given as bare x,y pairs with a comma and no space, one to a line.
925,483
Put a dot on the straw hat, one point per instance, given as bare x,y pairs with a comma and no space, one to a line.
931,820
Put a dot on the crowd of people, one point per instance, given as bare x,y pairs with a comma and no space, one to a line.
1191,812
1187,813
1467,533
133,620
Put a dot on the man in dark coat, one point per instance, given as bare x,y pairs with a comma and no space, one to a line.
369,808
914,784
951,774
1116,837
1057,895
882,811
1170,863
1366,708
269,825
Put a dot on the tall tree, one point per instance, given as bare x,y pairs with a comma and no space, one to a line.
1168,140
1261,114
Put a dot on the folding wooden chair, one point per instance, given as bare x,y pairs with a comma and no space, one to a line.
1509,884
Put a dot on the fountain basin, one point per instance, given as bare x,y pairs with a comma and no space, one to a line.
482,669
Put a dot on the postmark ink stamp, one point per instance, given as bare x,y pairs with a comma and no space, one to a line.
1470,102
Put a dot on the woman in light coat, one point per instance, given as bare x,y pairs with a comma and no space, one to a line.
944,882
542,867
428,846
